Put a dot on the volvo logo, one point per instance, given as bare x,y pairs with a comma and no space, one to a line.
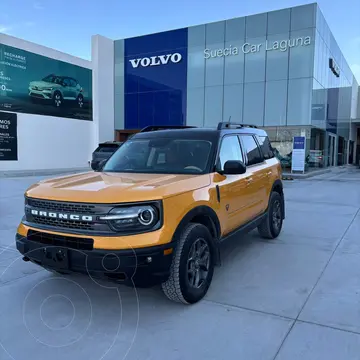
63,216
156,60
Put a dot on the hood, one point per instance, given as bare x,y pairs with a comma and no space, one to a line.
44,84
99,187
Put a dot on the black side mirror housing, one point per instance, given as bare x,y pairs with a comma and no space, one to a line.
99,165
234,167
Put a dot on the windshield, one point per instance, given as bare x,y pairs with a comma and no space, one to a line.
161,156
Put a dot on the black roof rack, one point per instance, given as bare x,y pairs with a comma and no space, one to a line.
164,127
228,125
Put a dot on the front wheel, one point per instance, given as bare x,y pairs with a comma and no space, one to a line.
271,226
57,99
80,101
192,267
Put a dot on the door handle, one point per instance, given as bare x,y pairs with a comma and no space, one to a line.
268,174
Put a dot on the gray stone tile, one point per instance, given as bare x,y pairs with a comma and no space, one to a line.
315,224
313,342
336,298
351,241
320,208
267,277
120,320
7,239
12,266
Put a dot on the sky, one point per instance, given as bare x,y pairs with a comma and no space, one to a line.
67,25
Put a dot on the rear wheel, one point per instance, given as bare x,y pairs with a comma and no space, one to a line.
271,226
192,267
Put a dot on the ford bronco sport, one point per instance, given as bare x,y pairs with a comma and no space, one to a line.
158,209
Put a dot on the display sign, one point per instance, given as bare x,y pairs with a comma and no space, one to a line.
334,67
8,136
249,48
35,84
298,154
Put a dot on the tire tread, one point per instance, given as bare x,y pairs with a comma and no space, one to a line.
171,287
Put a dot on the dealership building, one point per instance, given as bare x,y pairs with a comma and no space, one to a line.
281,70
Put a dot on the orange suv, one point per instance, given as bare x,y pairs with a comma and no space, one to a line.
158,209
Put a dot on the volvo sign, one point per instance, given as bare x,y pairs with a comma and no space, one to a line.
156,60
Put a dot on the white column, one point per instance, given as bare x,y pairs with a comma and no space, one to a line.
102,56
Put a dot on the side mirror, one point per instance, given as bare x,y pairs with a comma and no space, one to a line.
234,167
99,165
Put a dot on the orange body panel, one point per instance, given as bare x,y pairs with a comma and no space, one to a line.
242,198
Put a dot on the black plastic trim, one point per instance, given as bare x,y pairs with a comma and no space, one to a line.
244,229
279,183
218,193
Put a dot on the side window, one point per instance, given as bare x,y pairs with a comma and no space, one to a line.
73,83
266,147
66,81
229,150
252,150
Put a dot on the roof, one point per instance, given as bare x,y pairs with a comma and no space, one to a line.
111,142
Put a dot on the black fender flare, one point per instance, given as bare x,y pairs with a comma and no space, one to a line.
205,215
278,187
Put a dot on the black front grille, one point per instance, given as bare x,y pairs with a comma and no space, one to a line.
46,214
60,206
63,223
59,240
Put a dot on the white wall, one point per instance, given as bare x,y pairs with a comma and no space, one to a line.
102,57
47,142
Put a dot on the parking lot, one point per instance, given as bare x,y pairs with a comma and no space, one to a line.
297,297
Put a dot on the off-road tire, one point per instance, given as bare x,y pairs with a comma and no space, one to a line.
267,229
176,288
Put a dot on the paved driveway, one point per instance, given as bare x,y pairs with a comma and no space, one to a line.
294,298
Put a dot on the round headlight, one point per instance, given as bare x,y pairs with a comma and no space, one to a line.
146,216
132,218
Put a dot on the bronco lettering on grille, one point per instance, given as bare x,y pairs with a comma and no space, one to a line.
65,216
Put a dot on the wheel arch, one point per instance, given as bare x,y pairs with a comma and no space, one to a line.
206,216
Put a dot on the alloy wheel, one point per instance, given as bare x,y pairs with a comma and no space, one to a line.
198,263
57,100
80,101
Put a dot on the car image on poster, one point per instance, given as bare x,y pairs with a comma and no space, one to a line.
36,84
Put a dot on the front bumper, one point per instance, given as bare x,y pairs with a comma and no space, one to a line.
40,94
145,266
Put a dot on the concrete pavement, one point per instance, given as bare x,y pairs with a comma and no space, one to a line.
297,297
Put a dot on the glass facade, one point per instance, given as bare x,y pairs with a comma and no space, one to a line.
278,70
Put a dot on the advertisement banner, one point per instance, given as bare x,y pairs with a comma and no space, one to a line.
298,154
8,136
35,84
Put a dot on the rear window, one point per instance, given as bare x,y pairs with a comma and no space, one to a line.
108,148
266,147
